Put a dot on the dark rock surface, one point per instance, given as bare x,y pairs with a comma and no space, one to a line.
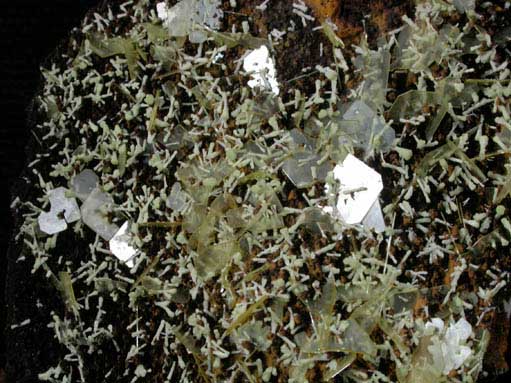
30,32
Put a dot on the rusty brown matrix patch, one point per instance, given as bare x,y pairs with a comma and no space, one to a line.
352,16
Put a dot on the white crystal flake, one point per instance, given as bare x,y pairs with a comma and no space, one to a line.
183,18
63,210
262,68
162,10
359,189
449,350
120,245
51,223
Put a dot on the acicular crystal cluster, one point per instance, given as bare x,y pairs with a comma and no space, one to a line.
279,224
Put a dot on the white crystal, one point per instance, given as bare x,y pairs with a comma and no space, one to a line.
62,204
93,213
162,10
186,14
63,210
262,67
359,188
51,223
449,351
84,183
120,245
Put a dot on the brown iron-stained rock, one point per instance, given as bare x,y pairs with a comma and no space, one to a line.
499,329
350,16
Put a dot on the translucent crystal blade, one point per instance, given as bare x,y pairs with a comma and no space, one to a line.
299,169
84,183
94,211
374,218
369,128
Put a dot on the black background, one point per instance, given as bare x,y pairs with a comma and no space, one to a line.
29,31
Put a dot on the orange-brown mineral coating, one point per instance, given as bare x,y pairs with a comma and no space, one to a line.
324,9
350,16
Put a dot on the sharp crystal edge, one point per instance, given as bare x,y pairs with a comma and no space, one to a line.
120,245
93,214
63,210
374,218
262,68
84,183
357,198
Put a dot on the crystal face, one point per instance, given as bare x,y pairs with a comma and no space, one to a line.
374,218
63,210
358,191
177,199
369,129
84,183
120,245
184,17
262,67
299,169
94,213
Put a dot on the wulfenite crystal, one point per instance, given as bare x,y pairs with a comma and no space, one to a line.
357,197
94,213
84,183
262,67
120,245
51,223
63,210
189,17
